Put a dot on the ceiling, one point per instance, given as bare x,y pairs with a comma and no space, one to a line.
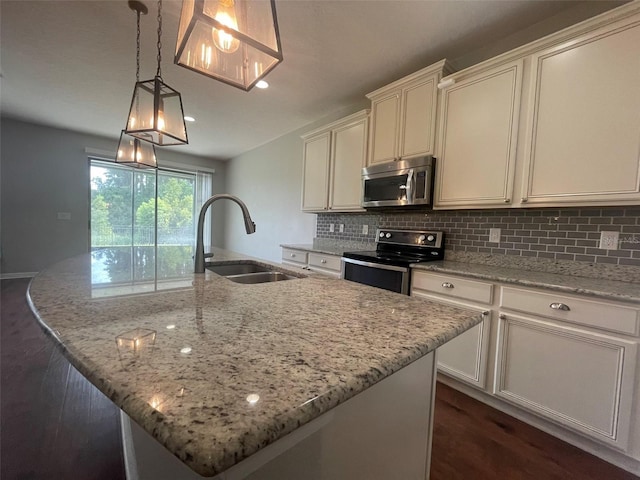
71,64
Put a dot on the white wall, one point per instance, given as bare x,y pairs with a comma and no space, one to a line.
44,171
269,180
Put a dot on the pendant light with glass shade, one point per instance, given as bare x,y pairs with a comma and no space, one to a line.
131,150
234,41
156,113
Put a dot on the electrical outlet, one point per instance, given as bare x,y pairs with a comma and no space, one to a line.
365,229
609,240
342,228
332,228
64,215
494,235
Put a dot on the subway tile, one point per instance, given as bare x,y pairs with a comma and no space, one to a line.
630,261
564,256
585,258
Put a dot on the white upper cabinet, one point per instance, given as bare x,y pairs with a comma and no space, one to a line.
478,138
583,137
553,123
334,156
403,116
315,174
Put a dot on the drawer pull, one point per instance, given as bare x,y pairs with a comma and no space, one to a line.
293,255
323,261
485,313
560,306
447,285
502,316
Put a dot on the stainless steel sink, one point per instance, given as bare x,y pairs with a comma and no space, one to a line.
249,272
260,277
237,268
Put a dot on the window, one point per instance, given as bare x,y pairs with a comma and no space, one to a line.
144,221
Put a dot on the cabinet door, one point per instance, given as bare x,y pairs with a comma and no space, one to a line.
385,123
583,144
574,377
349,145
418,118
465,357
478,136
315,183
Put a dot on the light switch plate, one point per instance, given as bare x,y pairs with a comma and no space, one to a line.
494,235
342,228
609,240
365,229
332,228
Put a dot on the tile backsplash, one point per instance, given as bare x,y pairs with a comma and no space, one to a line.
571,234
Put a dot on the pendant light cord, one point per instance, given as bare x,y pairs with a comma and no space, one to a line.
159,71
138,48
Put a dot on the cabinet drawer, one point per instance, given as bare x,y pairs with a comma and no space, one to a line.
595,314
294,256
453,286
327,262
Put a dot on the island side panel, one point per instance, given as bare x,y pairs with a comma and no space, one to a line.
381,433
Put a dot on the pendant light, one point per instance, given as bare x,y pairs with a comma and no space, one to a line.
234,41
131,150
156,113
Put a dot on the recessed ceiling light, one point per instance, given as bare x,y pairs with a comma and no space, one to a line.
189,119
262,84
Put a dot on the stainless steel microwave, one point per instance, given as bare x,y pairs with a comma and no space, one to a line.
399,184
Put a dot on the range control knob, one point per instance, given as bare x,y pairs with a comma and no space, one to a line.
431,238
387,235
381,234
421,239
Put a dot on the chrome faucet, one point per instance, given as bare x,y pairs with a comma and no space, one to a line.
248,225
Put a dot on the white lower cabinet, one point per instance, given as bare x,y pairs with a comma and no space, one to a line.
317,262
466,356
575,377
565,363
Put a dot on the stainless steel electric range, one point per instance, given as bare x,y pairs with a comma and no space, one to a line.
387,266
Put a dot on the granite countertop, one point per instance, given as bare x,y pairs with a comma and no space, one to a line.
508,269
223,369
595,287
332,247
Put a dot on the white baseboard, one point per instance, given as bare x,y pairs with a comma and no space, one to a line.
9,276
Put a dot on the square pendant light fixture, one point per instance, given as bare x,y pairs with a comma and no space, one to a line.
234,41
135,153
156,113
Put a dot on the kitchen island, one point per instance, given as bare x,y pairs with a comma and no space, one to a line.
220,372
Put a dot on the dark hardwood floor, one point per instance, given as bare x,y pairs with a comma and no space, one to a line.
56,425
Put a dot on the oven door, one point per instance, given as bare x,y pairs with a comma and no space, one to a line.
388,277
387,189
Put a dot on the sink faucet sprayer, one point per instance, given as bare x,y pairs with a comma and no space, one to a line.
248,225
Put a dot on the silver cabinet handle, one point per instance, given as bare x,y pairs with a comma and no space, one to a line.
293,255
560,306
507,200
323,261
502,316
447,285
485,313
524,199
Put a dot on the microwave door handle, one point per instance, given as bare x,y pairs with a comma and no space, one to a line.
409,187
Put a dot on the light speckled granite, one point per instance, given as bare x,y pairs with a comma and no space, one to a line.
601,288
600,271
332,247
302,345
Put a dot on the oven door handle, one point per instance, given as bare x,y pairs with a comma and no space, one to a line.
375,265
